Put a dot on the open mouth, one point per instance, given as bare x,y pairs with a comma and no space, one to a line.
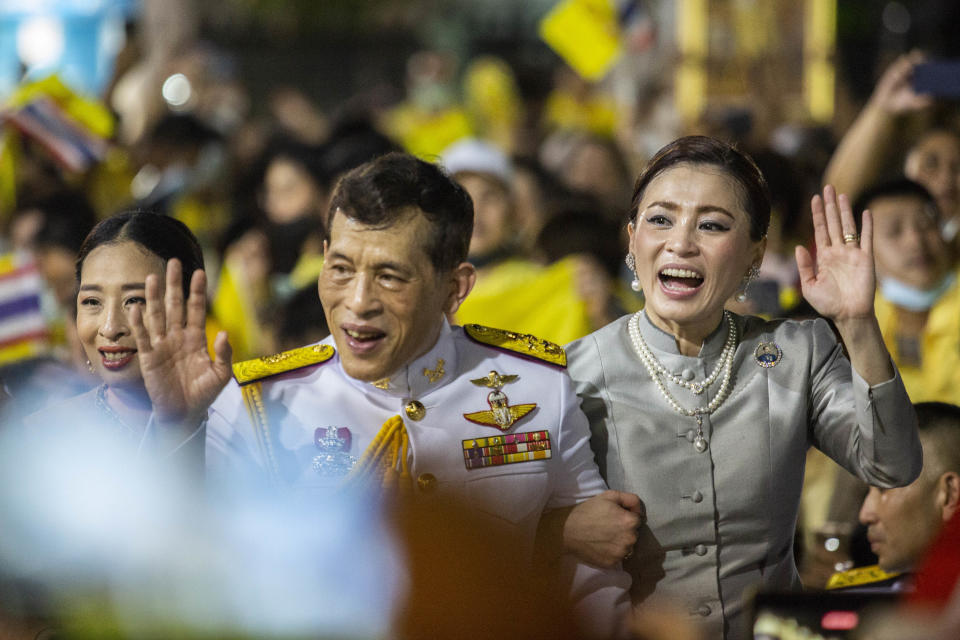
680,280
116,358
363,339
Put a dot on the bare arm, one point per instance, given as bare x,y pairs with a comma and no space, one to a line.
872,138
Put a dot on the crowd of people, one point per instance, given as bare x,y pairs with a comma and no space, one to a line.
738,373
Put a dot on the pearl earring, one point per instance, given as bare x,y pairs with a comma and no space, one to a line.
89,366
632,265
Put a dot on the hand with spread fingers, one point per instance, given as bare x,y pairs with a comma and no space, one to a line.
180,377
840,282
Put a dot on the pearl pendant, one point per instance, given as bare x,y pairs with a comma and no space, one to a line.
700,443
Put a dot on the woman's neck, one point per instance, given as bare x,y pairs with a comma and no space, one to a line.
688,336
131,404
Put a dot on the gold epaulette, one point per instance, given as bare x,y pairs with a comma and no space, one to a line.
259,368
859,576
521,343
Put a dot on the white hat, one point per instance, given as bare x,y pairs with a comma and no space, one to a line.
476,156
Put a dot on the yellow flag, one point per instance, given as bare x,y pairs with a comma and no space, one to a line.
586,34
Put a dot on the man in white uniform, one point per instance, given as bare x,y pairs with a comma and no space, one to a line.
397,396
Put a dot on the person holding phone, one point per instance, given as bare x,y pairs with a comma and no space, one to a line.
909,87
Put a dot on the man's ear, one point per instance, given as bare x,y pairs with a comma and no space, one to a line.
949,488
461,279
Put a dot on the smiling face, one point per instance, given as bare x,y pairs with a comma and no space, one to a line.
907,244
111,284
383,299
691,241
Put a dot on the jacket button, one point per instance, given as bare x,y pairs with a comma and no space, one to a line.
687,374
691,434
697,496
704,610
415,410
426,482
700,550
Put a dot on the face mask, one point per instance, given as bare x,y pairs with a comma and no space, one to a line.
911,298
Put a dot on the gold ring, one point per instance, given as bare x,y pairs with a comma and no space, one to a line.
851,238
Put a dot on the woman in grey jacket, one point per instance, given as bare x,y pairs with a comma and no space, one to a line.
707,415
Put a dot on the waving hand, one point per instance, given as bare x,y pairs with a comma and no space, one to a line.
840,283
177,370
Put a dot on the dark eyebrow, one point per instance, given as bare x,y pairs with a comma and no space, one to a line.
386,264
124,287
672,206
394,266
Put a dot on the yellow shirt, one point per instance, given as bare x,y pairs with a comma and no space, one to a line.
937,378
526,297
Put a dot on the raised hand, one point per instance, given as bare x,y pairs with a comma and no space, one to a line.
894,91
840,284
179,375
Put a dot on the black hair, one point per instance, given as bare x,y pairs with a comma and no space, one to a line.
159,234
381,192
939,427
353,141
702,150
897,188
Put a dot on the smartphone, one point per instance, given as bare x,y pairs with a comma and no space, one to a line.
938,78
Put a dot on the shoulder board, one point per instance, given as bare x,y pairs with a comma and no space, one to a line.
520,343
258,368
859,576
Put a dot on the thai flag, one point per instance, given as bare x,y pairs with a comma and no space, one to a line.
24,332
72,145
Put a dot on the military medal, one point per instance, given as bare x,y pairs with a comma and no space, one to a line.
768,354
500,415
492,451
334,459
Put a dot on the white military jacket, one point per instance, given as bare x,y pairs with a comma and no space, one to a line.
322,420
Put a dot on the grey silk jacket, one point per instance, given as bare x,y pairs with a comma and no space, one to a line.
722,522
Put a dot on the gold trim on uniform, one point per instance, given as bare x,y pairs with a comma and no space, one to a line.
522,343
494,380
382,383
858,577
435,374
258,368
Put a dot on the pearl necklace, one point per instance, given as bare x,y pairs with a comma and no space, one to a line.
657,372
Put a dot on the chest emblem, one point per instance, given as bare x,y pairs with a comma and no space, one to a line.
432,375
768,354
501,414
334,459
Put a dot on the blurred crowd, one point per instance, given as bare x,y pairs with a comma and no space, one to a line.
550,182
